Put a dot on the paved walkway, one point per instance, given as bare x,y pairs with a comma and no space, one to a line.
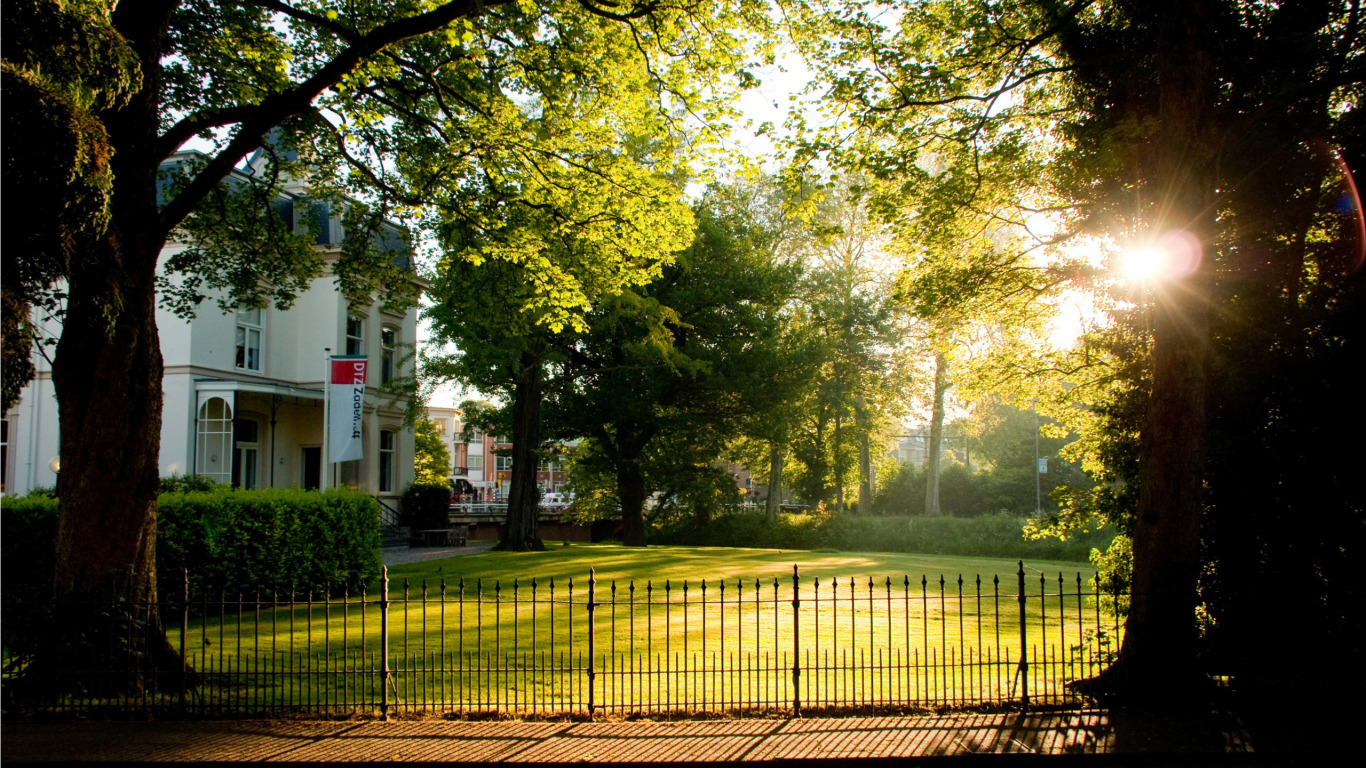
1092,734
392,556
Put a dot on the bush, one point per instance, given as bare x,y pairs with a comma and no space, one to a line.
28,536
249,542
999,535
425,505
182,483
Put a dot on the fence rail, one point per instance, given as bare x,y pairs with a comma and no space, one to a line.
587,646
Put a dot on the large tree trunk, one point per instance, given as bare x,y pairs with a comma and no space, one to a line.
107,374
935,450
520,531
775,482
631,491
1158,655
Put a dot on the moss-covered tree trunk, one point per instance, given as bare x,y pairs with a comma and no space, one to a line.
865,457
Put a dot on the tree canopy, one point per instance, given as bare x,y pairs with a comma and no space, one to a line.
1006,136
448,115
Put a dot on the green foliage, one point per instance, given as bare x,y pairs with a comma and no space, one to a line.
235,541
28,534
426,505
431,458
63,63
187,483
1126,121
997,535
666,375
232,541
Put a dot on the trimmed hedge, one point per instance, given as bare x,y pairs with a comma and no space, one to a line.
999,535
281,539
232,541
426,505
28,535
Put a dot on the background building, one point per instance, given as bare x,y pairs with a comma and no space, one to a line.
243,390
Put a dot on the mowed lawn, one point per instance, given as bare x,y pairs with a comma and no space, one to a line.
658,564
673,598
492,624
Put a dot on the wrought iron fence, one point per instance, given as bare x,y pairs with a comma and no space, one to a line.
555,647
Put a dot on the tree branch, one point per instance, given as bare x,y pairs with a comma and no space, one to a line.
257,120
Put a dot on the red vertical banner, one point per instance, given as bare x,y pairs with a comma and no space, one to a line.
346,407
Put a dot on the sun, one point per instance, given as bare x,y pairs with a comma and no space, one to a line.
1142,263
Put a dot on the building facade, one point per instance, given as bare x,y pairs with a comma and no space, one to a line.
243,391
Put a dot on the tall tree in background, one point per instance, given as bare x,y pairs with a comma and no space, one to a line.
685,356
848,310
503,339
405,105
431,458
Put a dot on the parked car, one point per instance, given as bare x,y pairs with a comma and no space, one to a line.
554,500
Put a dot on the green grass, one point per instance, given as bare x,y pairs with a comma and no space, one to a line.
489,643
678,563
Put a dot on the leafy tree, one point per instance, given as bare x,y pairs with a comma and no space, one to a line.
435,111
761,214
1204,129
678,361
850,324
431,458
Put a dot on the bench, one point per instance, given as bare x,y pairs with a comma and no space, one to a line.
440,537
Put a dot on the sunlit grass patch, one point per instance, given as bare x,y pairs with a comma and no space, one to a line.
667,628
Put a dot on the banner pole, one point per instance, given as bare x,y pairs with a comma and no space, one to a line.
327,399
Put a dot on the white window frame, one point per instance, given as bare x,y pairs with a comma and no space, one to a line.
246,456
387,465
355,344
251,325
388,354
213,440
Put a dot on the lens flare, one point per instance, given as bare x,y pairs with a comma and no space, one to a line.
1175,255
1181,252
1351,204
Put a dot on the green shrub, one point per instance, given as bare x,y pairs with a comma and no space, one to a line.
28,536
426,505
182,483
999,535
248,542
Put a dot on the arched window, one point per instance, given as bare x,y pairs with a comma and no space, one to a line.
213,454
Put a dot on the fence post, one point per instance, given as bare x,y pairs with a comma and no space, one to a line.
184,622
592,649
796,646
384,647
1023,670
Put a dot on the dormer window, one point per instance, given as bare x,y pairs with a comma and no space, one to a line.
250,327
